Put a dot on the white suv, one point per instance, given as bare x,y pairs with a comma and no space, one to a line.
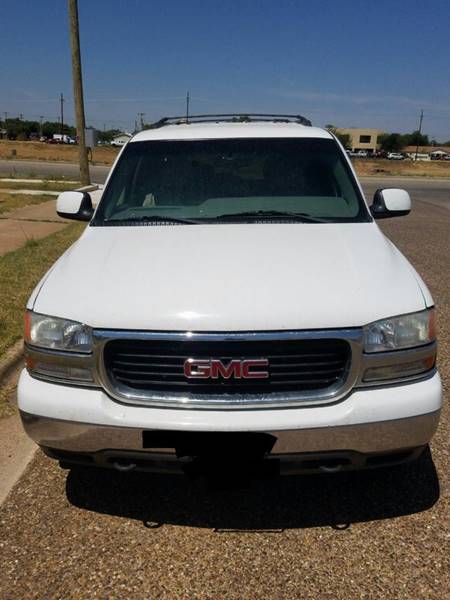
232,300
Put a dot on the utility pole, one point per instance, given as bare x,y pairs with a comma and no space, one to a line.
6,115
41,118
187,107
141,120
61,100
78,91
420,131
21,117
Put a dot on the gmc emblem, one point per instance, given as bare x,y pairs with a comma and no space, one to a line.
214,368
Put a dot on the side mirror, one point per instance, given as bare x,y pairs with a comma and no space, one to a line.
390,202
75,205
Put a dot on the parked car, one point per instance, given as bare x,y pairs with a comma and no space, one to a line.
59,138
359,153
422,156
231,302
395,156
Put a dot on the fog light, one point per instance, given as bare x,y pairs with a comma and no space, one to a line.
408,369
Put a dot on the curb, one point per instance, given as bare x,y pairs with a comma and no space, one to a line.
10,360
16,449
16,452
92,187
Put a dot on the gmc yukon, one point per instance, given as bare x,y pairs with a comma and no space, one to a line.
231,301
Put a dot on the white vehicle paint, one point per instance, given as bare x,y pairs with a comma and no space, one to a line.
267,255
293,255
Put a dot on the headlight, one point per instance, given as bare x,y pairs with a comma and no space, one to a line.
398,333
53,333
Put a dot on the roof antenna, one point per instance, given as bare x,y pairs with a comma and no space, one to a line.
187,107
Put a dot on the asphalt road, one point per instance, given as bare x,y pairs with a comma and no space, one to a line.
42,169
378,534
432,191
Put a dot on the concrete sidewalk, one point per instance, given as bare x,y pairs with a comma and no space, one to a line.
16,451
29,222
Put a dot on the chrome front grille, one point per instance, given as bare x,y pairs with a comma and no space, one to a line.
304,367
293,365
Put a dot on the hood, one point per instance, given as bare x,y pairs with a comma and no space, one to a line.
226,277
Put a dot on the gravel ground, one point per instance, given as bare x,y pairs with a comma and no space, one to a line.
380,534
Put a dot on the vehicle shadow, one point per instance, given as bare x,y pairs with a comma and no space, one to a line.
335,500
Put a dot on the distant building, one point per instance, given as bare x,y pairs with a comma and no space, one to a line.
438,154
121,139
433,151
362,139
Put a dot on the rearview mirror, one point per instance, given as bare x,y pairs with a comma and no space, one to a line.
75,205
390,202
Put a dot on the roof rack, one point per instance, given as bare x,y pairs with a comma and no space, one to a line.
231,118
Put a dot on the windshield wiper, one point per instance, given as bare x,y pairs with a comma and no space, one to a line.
302,217
151,219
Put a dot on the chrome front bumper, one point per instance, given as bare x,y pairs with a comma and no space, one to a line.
62,438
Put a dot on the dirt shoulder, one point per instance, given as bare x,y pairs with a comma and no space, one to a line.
53,152
401,168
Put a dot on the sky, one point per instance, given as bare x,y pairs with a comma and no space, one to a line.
352,63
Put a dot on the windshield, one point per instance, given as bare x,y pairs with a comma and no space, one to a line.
194,181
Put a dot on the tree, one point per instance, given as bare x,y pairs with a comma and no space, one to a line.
108,134
344,138
416,139
49,128
19,129
391,142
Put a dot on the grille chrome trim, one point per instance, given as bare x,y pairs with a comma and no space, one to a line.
222,401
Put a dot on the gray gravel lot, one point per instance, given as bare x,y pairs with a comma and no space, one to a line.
379,534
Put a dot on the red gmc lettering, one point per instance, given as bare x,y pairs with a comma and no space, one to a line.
215,368
199,369
226,371
249,364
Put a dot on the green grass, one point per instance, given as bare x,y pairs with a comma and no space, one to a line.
32,175
9,202
20,271
50,185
